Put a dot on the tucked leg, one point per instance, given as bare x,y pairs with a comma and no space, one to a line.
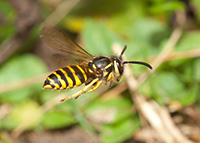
98,83
83,90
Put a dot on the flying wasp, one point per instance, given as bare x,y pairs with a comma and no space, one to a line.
84,67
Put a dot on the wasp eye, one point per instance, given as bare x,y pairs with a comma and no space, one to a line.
120,66
118,63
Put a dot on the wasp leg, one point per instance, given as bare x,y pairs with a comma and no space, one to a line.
97,84
110,83
82,90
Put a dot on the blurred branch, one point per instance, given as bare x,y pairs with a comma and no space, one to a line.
183,55
158,117
22,83
115,90
28,15
180,55
4,110
44,108
60,12
176,34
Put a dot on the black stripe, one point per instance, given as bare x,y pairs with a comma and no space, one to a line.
47,82
63,77
108,75
109,69
55,79
82,68
70,75
79,73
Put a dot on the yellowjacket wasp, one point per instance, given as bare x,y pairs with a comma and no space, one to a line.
85,68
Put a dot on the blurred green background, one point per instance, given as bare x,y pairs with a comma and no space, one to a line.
144,26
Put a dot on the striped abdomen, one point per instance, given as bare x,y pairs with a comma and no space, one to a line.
67,77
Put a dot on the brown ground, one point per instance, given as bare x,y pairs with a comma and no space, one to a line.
73,135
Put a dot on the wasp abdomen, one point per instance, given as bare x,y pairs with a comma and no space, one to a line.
67,77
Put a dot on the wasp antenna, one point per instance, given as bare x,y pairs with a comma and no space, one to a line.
138,62
125,47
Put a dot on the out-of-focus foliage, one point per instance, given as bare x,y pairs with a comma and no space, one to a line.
7,27
16,69
115,117
21,114
144,26
98,39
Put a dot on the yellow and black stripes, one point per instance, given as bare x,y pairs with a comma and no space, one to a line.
67,77
62,78
108,73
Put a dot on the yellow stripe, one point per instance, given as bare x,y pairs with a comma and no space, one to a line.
105,73
116,68
55,84
70,82
109,65
47,86
91,71
78,82
83,72
94,66
110,77
63,83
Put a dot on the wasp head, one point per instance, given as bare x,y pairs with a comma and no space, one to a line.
119,64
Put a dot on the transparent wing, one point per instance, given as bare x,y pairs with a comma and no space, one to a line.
66,50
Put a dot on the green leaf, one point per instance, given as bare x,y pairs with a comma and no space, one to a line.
17,69
56,119
166,87
167,84
190,96
196,69
189,41
167,7
119,132
112,108
98,39
114,117
25,113
143,42
7,18
122,22
144,31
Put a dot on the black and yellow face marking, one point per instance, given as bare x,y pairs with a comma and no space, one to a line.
90,70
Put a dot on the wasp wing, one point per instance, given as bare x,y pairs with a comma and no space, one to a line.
66,49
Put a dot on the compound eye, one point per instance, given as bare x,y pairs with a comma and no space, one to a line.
120,66
118,63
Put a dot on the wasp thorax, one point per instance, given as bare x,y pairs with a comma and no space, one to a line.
101,62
